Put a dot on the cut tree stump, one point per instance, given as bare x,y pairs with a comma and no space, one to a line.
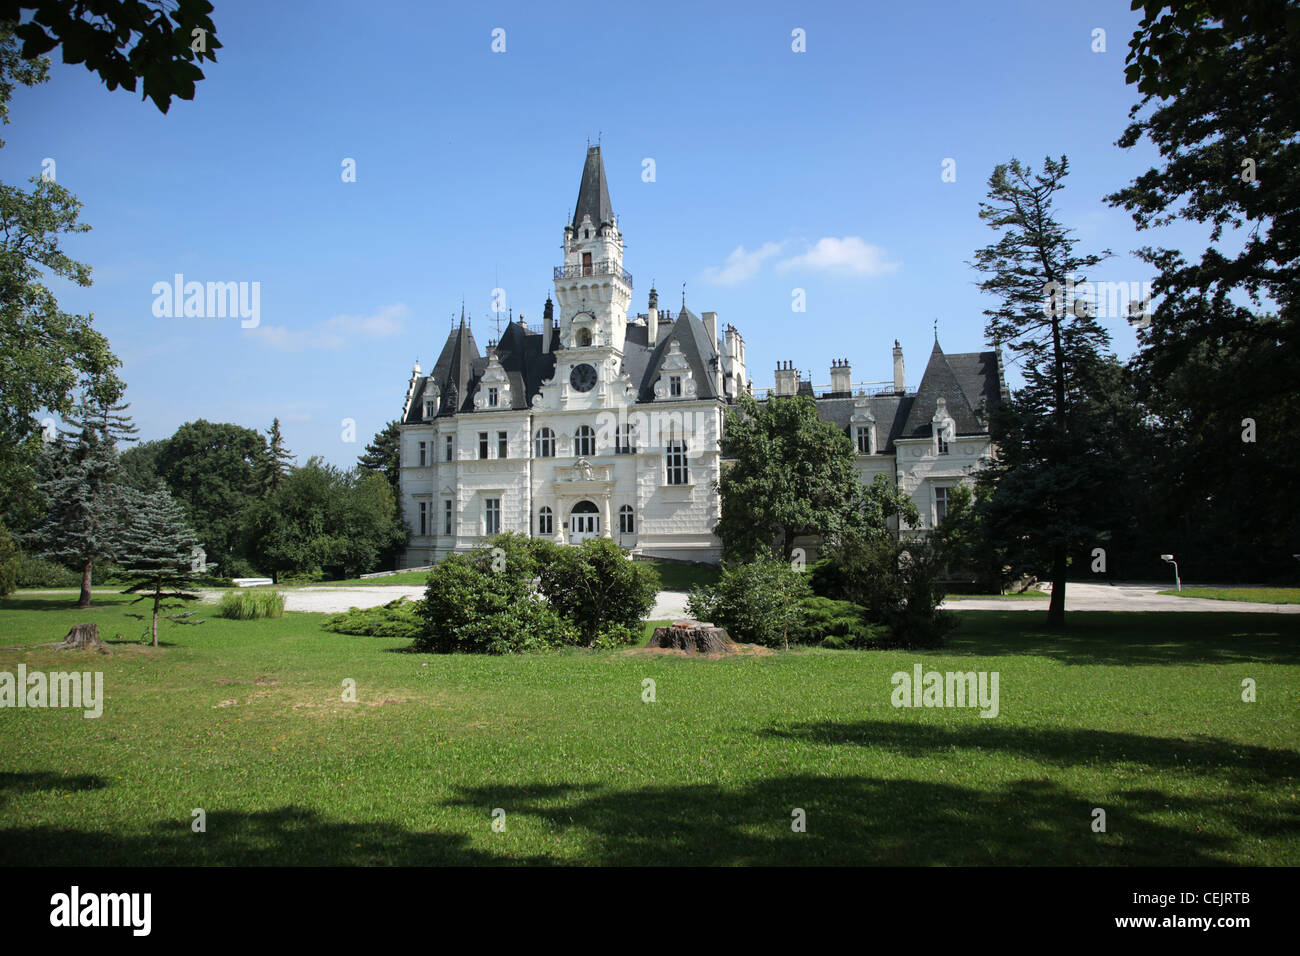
693,636
83,637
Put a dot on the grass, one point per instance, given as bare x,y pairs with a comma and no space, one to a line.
249,605
1139,714
1258,595
683,577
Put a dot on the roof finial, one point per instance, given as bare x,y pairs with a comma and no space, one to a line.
683,296
936,330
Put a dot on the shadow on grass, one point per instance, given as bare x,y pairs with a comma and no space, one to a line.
1242,764
850,820
1132,637
15,783
286,836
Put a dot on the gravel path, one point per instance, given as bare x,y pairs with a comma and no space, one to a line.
672,604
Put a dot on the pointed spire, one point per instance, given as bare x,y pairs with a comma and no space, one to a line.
593,193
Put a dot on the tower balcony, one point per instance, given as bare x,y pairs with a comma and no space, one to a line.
602,267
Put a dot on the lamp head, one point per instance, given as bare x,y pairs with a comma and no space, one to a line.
1166,557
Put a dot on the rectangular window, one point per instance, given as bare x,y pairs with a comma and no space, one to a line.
676,464
675,385
429,410
492,516
864,441
424,517
503,445
446,516
624,442
493,397
423,454
482,444
450,444
940,504
545,522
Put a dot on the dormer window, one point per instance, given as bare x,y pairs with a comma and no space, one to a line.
943,441
863,439
429,409
494,397
584,337
675,386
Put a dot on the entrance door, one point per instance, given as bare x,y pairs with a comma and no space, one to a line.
584,522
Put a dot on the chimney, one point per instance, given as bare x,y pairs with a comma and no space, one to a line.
841,377
899,381
652,319
711,327
735,354
548,312
787,379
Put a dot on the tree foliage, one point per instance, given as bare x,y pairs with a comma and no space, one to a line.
597,589
791,473
155,551
758,602
1052,457
123,40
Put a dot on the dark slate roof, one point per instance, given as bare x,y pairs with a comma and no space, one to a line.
455,365
890,412
961,392
593,194
642,363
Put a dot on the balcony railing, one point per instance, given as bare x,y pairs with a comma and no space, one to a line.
605,267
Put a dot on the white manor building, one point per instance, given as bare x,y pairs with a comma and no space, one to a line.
598,423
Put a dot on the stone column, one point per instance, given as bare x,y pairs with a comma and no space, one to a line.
604,508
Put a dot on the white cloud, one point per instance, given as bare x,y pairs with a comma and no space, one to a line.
335,333
742,264
847,256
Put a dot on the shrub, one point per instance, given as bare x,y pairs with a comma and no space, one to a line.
34,572
310,576
400,618
839,624
758,603
897,583
247,605
597,589
9,562
468,606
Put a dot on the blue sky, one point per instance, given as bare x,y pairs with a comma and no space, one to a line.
774,170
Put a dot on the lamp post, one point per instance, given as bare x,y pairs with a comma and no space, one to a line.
1169,558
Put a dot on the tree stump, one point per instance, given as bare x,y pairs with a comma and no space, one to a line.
693,637
83,637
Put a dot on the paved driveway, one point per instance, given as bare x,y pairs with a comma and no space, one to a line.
1118,597
672,604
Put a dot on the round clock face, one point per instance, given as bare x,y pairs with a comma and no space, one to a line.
583,377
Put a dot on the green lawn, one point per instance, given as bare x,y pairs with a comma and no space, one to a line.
1139,714
1257,595
683,577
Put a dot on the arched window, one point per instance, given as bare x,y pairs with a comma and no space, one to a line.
626,523
545,521
584,337
584,442
545,443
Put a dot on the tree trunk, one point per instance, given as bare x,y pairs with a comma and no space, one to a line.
82,637
692,637
1056,609
156,599
86,571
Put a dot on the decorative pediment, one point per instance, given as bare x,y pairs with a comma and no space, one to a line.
432,398
493,377
862,413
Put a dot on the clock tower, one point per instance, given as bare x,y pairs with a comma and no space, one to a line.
592,288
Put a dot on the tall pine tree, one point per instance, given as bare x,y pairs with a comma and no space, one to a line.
84,521
156,550
278,459
1050,440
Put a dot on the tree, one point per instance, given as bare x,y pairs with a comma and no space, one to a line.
758,602
213,470
1217,79
322,519
601,592
383,455
123,40
1051,459
46,354
9,562
85,518
156,552
139,465
1218,102
277,462
792,474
